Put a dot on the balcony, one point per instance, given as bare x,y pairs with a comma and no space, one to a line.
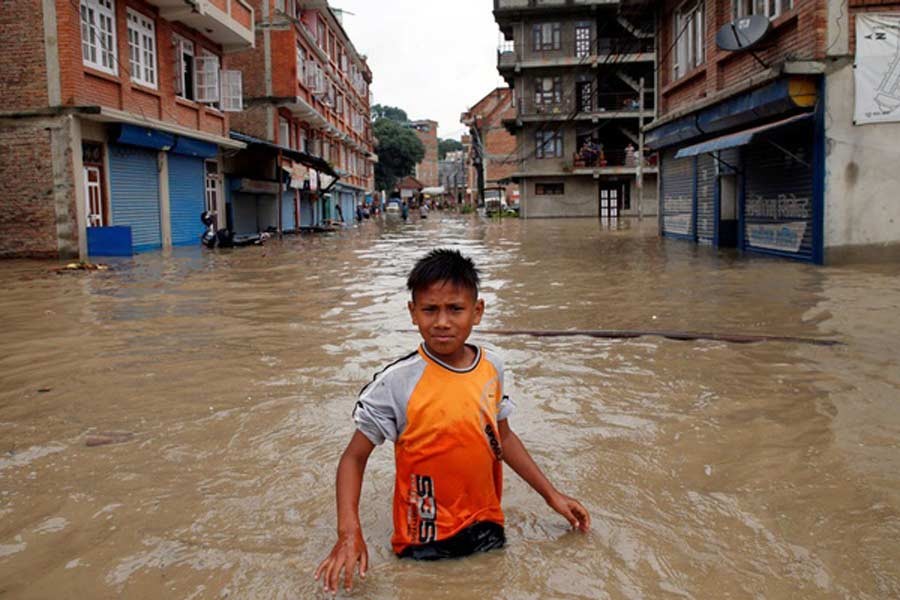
226,22
512,57
564,107
501,6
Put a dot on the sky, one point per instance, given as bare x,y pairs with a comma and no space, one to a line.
432,58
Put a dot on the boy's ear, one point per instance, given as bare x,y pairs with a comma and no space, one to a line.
411,306
479,310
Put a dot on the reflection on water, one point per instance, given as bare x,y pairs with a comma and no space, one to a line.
712,470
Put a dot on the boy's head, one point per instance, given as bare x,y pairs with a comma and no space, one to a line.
445,304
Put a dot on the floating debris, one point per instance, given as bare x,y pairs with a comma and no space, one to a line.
82,266
104,438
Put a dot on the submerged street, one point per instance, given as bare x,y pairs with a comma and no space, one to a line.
226,381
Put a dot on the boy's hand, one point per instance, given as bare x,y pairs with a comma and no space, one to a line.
572,510
349,550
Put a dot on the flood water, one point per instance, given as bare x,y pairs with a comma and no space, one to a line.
711,470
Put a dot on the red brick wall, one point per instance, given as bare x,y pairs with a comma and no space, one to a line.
797,35
85,86
23,74
427,170
28,219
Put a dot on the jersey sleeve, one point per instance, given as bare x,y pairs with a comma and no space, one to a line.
506,406
375,414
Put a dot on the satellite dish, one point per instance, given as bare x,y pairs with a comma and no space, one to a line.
744,33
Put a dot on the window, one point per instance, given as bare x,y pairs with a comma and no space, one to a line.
546,36
548,90
184,68
548,144
301,63
284,133
768,8
142,48
98,35
689,32
207,74
304,140
212,186
321,34
582,40
232,91
549,189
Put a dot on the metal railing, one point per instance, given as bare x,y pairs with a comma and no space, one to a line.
570,103
511,52
599,158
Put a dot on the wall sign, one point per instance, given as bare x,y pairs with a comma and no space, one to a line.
877,68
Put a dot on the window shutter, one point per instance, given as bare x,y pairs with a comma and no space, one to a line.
232,91
178,66
207,75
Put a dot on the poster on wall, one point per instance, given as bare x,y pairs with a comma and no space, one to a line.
877,68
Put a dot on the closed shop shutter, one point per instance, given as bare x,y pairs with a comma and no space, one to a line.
186,198
678,195
348,205
306,211
778,207
288,222
706,177
134,184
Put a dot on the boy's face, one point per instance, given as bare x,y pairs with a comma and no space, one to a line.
445,314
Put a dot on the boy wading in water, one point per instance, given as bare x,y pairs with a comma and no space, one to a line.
444,408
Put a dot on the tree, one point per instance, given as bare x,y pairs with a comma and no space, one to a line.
389,112
398,149
445,146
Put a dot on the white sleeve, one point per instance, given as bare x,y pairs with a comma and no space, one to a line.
375,414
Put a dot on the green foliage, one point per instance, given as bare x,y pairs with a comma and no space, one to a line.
465,209
398,151
393,113
445,146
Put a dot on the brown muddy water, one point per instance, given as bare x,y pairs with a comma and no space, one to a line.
712,470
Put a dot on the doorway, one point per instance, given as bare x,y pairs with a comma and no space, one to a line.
728,217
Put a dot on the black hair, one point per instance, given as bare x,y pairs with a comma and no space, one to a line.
442,264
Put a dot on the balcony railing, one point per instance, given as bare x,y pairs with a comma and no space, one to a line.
600,158
509,53
524,4
599,102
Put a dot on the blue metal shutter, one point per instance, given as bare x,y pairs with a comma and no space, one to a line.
348,205
778,203
186,198
134,184
306,211
678,195
706,177
287,210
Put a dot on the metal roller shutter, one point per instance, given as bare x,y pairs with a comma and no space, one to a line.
706,177
134,183
678,195
288,222
348,205
186,198
306,212
778,206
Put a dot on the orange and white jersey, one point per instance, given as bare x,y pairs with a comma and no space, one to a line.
443,422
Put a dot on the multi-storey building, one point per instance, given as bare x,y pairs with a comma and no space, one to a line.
492,153
427,170
576,67
763,145
114,115
306,91
453,176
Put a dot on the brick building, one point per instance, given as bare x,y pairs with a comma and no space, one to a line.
492,154
427,171
760,148
114,117
306,94
576,67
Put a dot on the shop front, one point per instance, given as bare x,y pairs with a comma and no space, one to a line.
747,172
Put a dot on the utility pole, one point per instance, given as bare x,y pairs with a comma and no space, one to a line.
640,157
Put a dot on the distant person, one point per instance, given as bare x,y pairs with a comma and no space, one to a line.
423,211
404,210
359,212
444,407
339,211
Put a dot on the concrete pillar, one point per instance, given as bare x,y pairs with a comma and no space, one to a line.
165,214
68,187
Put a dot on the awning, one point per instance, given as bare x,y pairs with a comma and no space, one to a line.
433,191
734,140
309,160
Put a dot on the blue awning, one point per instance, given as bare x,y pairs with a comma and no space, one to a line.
144,137
191,147
742,138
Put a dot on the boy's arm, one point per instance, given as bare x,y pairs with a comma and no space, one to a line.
350,547
517,457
